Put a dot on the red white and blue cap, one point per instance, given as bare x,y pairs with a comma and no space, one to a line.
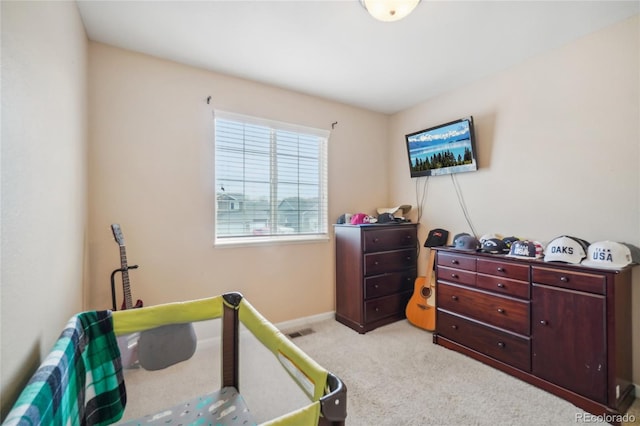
526,249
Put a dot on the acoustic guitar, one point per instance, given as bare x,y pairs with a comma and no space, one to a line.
128,344
421,308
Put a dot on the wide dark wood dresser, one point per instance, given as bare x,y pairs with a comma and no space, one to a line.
561,327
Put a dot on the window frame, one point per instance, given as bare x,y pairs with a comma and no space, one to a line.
322,233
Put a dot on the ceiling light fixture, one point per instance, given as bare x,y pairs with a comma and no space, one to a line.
389,10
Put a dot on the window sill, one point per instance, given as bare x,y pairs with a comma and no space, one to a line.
265,241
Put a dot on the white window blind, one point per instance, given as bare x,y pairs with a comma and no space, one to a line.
270,179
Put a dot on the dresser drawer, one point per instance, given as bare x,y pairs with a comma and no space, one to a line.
455,260
504,269
389,238
458,276
506,347
382,307
500,311
389,261
505,286
385,284
581,281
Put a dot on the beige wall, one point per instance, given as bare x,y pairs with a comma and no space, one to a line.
151,170
558,139
44,55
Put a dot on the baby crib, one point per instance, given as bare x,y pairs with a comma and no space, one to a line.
81,380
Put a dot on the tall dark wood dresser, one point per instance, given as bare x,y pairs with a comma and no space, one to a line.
376,266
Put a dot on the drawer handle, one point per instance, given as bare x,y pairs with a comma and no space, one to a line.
454,297
564,279
375,240
501,345
501,311
500,285
408,237
544,322
455,327
376,286
454,261
376,263
408,257
455,276
377,309
500,269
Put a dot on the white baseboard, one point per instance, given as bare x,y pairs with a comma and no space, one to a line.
292,325
208,332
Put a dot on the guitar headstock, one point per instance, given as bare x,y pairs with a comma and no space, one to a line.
117,234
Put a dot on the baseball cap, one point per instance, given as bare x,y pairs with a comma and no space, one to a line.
392,210
386,218
635,252
486,237
526,249
437,237
566,249
494,245
457,236
608,255
467,242
360,218
509,240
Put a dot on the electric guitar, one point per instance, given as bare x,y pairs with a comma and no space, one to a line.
127,303
128,344
156,348
421,308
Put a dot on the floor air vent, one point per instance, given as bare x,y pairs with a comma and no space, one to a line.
298,333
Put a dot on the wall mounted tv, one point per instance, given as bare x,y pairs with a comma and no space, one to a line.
443,149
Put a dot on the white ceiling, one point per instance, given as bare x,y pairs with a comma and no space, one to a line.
335,50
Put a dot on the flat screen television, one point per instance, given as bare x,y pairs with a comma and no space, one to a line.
443,149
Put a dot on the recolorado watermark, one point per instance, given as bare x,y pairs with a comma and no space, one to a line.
605,418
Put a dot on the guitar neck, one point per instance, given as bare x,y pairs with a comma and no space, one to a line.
128,302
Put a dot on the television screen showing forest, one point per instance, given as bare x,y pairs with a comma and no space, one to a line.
444,149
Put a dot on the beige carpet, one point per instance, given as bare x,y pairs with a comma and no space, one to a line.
395,376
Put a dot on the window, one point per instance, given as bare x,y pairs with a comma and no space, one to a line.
270,181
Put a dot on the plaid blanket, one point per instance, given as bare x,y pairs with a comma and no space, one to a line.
80,382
